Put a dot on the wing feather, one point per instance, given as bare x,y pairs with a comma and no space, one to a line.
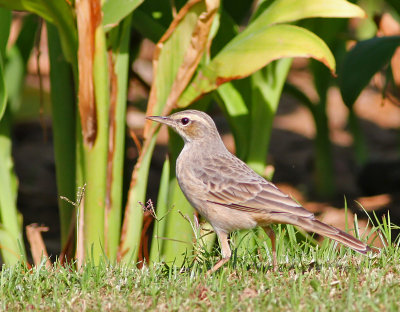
232,184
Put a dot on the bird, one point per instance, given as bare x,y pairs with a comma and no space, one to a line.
232,196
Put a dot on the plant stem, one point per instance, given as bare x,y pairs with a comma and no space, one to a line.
63,113
96,156
116,153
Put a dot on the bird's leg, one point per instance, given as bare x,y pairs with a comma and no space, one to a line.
225,249
271,234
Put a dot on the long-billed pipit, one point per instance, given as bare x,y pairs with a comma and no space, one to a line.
229,194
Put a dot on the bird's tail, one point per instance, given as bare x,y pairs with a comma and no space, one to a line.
313,225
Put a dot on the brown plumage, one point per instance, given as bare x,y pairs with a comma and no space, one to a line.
229,194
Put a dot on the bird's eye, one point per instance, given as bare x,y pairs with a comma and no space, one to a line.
185,121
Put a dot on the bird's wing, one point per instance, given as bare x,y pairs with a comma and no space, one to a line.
231,183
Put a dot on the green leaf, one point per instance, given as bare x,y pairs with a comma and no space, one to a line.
258,48
178,243
26,36
116,10
283,11
362,62
250,51
267,85
233,100
14,74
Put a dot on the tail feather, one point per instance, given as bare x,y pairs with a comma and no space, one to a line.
314,225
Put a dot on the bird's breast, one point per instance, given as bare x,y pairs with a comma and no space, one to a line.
191,186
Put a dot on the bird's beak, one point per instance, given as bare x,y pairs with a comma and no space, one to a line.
163,120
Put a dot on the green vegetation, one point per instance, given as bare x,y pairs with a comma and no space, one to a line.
308,278
199,50
207,53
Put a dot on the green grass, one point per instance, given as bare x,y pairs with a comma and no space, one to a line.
309,278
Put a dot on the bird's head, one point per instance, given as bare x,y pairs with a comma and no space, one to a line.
191,125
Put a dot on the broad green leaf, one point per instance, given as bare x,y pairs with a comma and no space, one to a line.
362,62
116,10
248,52
255,50
283,11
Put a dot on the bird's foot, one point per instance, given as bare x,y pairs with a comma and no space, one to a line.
219,264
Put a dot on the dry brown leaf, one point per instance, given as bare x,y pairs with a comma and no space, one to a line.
202,292
248,293
192,57
194,52
88,15
38,248
376,202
